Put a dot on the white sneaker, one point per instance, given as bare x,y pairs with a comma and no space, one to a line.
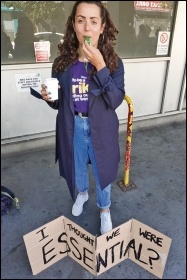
106,222
78,205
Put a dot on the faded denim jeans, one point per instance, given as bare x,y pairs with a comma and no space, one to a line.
83,152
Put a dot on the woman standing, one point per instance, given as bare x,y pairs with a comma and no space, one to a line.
91,81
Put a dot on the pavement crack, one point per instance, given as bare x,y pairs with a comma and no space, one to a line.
14,249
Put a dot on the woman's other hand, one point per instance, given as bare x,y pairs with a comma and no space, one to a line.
45,94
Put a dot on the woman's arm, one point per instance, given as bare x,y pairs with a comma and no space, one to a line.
112,87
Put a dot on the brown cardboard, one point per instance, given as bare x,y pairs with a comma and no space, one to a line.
149,248
42,245
110,246
62,237
82,245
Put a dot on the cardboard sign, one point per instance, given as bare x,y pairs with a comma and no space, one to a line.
62,237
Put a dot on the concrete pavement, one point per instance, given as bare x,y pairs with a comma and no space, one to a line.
157,167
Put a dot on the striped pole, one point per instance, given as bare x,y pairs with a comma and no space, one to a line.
129,140
126,184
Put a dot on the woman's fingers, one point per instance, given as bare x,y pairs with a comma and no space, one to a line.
93,55
45,94
88,50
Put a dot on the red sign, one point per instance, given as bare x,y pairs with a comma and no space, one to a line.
158,6
42,51
41,56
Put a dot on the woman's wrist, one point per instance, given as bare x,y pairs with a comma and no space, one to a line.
100,66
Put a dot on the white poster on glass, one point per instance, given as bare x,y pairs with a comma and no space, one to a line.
163,43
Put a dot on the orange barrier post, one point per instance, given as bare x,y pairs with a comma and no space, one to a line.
126,184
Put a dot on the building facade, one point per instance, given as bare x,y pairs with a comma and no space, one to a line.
151,42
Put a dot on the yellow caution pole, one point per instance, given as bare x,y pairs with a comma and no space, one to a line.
126,184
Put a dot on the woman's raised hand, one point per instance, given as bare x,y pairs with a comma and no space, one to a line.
93,55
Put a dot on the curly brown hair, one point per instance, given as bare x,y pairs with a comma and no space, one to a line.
68,50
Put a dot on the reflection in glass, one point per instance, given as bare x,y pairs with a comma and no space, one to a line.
44,21
6,46
24,41
140,24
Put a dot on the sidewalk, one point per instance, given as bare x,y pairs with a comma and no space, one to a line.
157,167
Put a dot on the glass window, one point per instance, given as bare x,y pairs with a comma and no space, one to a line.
31,30
144,27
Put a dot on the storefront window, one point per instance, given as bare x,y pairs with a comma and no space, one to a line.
31,30
145,28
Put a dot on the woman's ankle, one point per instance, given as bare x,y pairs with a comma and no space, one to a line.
105,210
83,193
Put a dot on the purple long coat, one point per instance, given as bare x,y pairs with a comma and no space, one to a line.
106,93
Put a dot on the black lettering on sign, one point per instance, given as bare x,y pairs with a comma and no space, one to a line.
115,251
72,240
121,250
82,235
42,232
101,261
45,253
85,256
151,258
112,251
64,241
151,237
137,254
131,245
114,234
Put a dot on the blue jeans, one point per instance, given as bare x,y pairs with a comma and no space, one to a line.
83,152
